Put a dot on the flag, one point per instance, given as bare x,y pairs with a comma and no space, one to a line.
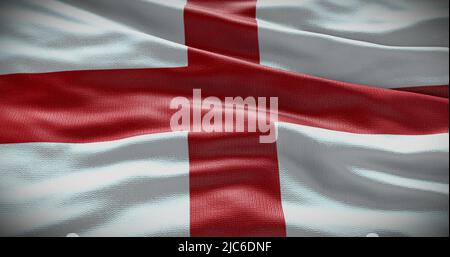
86,145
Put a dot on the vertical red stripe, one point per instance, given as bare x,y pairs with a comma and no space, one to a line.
234,180
234,186
226,27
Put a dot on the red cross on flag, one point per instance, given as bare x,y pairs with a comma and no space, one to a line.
355,92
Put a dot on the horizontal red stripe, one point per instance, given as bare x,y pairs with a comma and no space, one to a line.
86,106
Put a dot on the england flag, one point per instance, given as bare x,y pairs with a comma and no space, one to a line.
224,118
